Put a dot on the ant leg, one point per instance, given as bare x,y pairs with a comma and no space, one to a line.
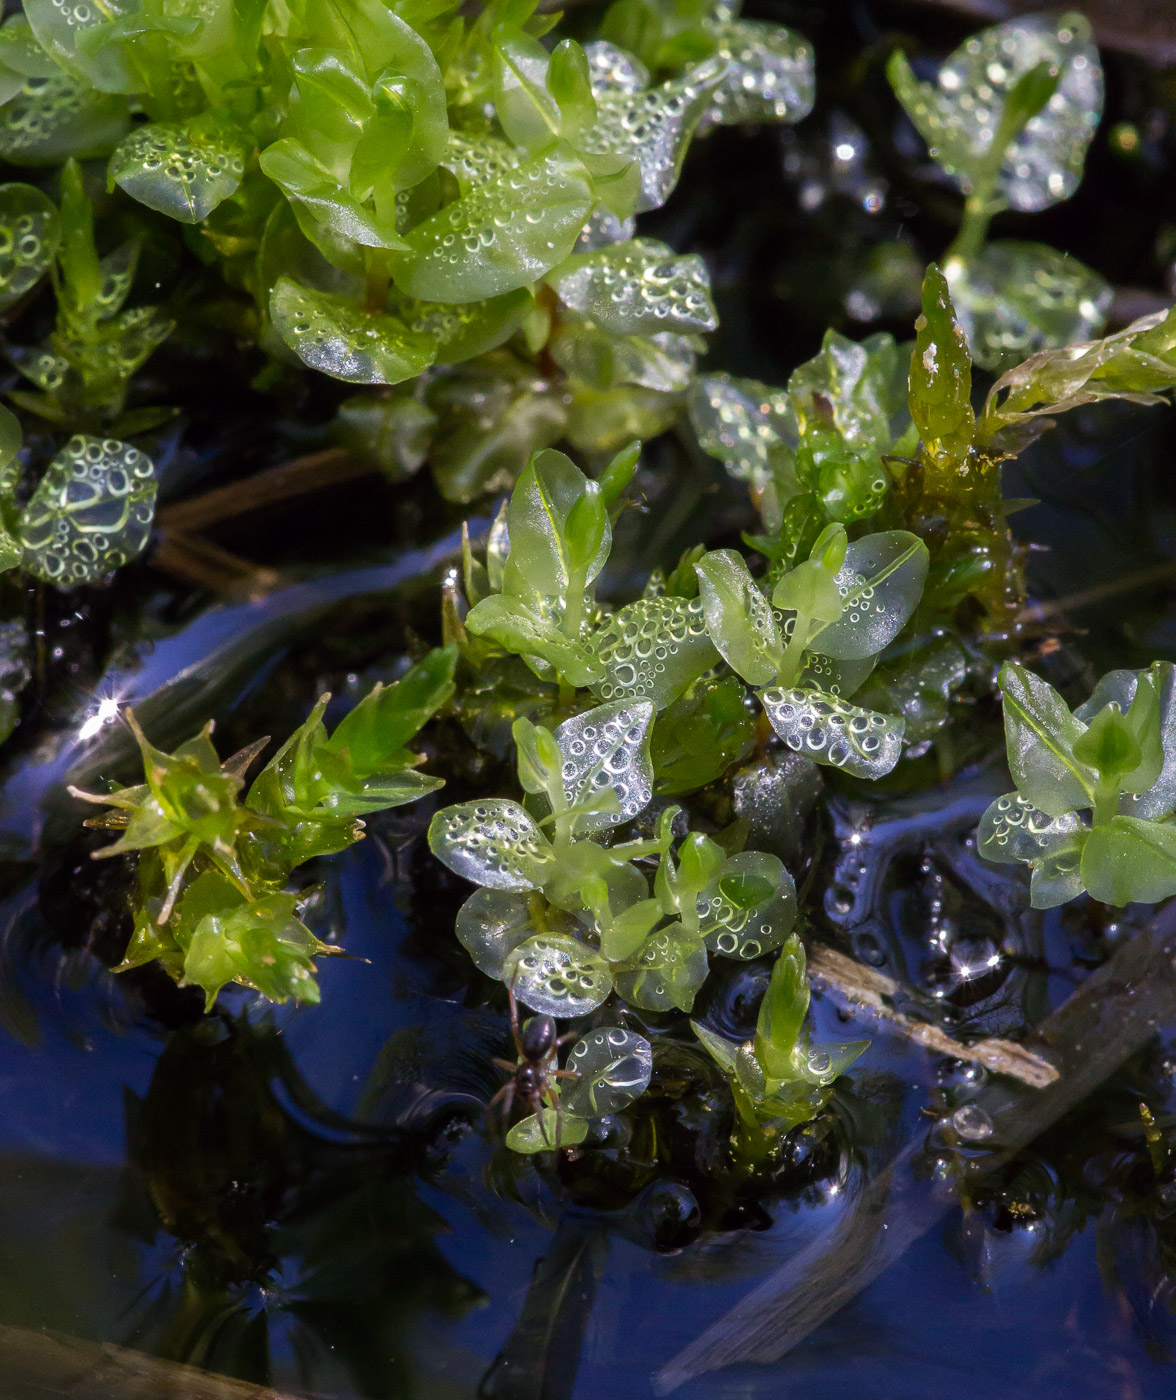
564,1074
564,1039
539,1109
514,1016
504,1065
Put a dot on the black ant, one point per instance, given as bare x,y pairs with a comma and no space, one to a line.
537,1044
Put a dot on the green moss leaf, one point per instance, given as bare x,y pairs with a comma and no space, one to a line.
91,512
548,1132
744,423
179,172
739,619
749,908
614,1066
962,115
502,235
941,377
653,649
770,77
53,118
30,232
493,843
638,288
490,926
1012,829
1128,860
666,973
557,975
880,583
339,337
607,750
1040,733
826,729
1015,299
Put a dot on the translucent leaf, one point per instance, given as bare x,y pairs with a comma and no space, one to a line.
1015,299
1012,829
91,512
501,235
542,501
863,384
1128,860
1057,876
743,423
57,25
557,975
29,234
701,735
462,331
603,229
260,944
653,127
493,842
827,730
1120,686
917,684
880,584
739,618
653,649
476,160
941,379
840,678
547,1134
176,172
1040,733
638,288
490,926
749,908
667,973
339,337
614,1066
607,749
771,75
53,118
614,70
959,115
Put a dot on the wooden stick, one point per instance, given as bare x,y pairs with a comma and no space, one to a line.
48,1364
1109,1018
867,989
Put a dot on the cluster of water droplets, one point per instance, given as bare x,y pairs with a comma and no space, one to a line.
771,75
342,339
665,973
608,749
160,165
91,512
28,239
736,930
614,1066
55,116
1013,829
557,975
639,288
494,843
864,743
743,423
652,648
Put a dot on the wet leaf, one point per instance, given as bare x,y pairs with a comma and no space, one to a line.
941,377
666,973
335,335
771,75
960,117
1015,299
178,172
1040,733
653,127
880,585
91,512
612,69
493,842
555,1130
1012,829
653,649
55,117
614,1066
490,926
557,975
830,731
739,618
260,943
638,288
30,231
607,750
501,235
1127,860
743,423
749,908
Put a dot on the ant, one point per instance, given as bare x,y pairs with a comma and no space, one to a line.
537,1044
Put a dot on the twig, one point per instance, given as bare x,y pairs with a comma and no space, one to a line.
1107,1020
37,1364
867,989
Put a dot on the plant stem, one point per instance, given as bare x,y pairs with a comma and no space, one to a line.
376,287
794,650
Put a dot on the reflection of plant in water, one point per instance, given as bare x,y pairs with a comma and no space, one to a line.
293,1247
